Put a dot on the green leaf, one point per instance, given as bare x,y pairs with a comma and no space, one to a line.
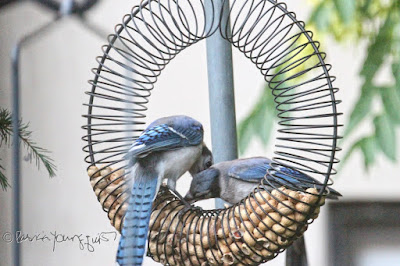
391,102
385,136
361,109
264,117
259,123
396,75
245,133
369,149
365,6
265,127
378,49
352,149
321,16
346,10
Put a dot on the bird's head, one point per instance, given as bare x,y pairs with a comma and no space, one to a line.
203,162
205,185
179,122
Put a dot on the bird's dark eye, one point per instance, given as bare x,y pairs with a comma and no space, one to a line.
208,164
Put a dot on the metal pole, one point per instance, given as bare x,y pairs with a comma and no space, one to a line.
16,154
296,254
222,111
221,91
16,150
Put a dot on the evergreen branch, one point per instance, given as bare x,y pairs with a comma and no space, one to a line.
5,126
3,179
37,153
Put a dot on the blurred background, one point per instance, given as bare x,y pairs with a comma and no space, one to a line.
362,42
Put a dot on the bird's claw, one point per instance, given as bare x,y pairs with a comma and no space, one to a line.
189,208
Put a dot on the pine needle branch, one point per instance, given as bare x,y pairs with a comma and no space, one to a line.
3,179
36,153
5,126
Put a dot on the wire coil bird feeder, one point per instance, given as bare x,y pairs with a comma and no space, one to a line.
266,222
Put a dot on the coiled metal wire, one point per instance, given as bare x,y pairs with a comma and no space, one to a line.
149,37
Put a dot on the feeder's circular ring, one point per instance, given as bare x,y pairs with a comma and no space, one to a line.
149,37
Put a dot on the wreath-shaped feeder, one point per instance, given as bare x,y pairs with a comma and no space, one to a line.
266,222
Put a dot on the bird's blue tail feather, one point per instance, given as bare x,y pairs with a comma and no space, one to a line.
132,245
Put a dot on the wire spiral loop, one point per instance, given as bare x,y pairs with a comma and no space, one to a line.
149,37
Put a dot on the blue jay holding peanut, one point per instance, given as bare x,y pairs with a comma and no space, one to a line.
234,180
167,149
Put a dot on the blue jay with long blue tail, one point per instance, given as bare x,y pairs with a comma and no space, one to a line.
167,148
234,180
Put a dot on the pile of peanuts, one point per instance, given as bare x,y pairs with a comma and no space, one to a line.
111,191
249,233
246,234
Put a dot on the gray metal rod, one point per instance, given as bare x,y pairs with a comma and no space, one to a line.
221,92
296,254
222,111
16,149
16,154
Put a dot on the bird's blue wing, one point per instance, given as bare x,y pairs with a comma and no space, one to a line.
162,138
295,177
292,178
252,170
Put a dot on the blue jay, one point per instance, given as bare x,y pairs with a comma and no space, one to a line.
168,148
234,180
